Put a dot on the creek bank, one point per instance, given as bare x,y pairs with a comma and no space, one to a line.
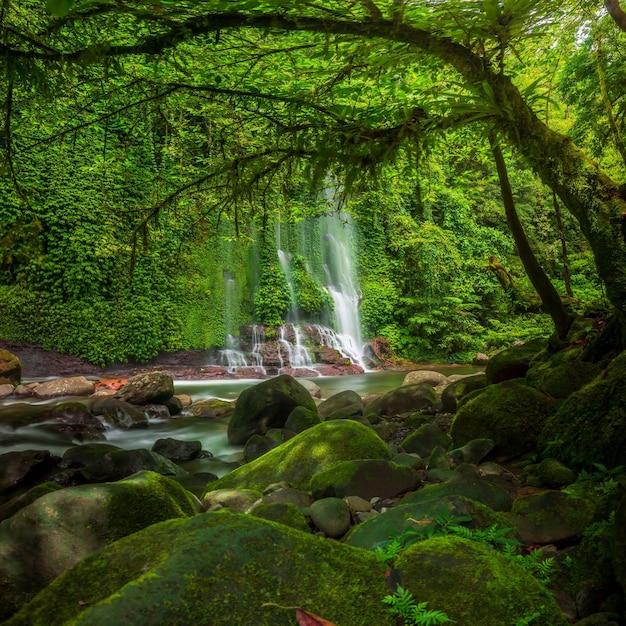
322,480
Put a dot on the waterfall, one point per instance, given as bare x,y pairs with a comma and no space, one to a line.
298,355
341,283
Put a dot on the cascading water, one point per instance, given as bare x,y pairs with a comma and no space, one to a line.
341,283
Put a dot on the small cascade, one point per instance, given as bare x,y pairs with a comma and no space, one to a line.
344,344
258,339
298,355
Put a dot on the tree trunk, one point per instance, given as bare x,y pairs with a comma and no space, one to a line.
550,299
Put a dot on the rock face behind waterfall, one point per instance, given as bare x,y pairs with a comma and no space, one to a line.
267,405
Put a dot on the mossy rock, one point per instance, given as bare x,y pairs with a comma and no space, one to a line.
464,481
284,513
590,426
549,473
398,520
453,393
511,413
403,400
365,478
425,439
551,516
10,368
513,362
560,380
301,418
474,584
219,568
19,502
267,405
313,451
343,401
59,529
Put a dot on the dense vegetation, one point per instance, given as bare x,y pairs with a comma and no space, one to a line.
151,150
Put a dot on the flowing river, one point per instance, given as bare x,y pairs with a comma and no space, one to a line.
211,432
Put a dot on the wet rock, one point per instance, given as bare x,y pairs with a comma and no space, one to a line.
236,500
151,387
267,405
211,408
425,438
513,362
119,413
74,386
25,467
10,368
282,513
403,400
176,450
429,377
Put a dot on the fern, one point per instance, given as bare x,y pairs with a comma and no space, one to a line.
403,605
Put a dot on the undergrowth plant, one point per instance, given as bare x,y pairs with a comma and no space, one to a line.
402,605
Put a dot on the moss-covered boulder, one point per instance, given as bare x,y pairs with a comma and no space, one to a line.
101,462
236,500
551,516
405,399
549,473
301,418
513,362
12,506
511,413
456,390
406,518
425,439
464,481
561,379
212,408
220,569
10,368
365,478
56,531
313,451
474,585
345,401
425,376
590,426
282,513
267,405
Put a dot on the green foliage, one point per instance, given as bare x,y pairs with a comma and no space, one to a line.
311,298
272,299
402,605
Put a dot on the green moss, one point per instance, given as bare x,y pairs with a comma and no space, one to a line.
283,513
510,413
513,362
217,568
474,584
310,452
549,473
590,426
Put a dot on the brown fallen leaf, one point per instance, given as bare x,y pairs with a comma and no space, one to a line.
309,619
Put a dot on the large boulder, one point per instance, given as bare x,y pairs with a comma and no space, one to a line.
374,477
474,585
514,362
218,568
24,468
310,452
95,463
405,399
56,531
10,368
511,413
590,426
267,405
119,413
560,377
405,519
344,403
429,377
73,386
456,390
151,387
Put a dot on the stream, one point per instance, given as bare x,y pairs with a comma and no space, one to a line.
211,432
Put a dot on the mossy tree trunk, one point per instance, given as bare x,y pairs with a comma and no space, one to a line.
550,298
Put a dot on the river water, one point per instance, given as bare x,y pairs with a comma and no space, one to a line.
210,432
